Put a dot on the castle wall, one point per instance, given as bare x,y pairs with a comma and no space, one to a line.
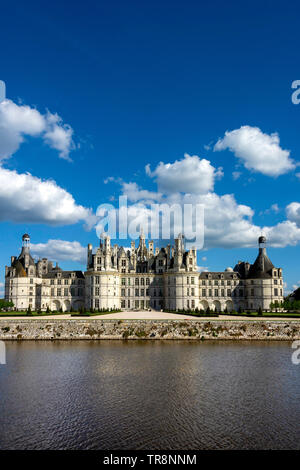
87,329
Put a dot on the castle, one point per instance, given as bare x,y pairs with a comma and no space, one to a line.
141,278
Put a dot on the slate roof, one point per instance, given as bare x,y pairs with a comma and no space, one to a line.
64,274
262,266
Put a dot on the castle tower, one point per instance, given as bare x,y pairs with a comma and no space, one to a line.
178,252
25,253
26,241
107,250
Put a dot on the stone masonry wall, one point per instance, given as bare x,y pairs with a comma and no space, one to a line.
36,329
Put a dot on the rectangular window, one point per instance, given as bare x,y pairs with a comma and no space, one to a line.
66,282
52,292
136,281
276,292
228,293
66,292
222,293
97,291
203,292
142,292
59,292
123,281
147,281
128,303
96,303
210,293
136,304
216,292
122,292
136,292
97,280
142,281
193,292
193,304
192,280
59,282
122,303
52,282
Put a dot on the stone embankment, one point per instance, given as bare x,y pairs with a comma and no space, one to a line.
204,329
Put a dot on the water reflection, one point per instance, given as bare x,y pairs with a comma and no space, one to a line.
149,395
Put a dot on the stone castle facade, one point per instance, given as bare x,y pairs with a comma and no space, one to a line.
141,278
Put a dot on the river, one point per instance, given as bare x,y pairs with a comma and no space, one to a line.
149,395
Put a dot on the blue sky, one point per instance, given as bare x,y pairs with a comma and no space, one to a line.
143,83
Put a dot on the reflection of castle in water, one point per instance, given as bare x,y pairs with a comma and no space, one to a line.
141,278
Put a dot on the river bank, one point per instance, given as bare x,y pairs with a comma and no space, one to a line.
93,329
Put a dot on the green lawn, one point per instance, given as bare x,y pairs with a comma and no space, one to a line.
264,315
33,314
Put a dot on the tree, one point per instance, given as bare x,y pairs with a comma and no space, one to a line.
4,304
259,312
29,312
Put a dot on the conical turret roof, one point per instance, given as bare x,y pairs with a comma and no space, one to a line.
262,266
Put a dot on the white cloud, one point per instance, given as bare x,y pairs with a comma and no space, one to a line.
60,250
19,121
202,269
26,198
257,151
293,212
236,175
228,224
59,136
189,175
135,193
274,208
